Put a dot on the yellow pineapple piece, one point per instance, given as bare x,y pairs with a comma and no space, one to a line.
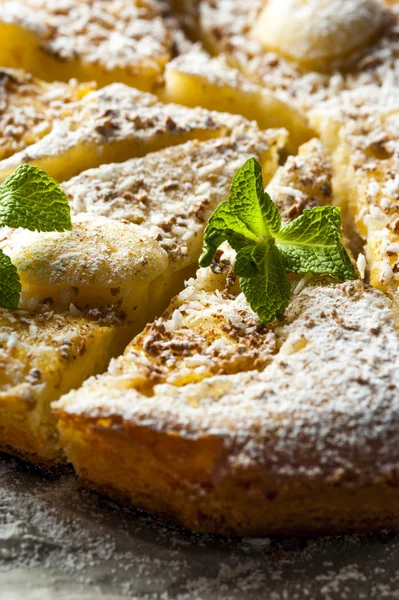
241,425
137,226
196,79
100,262
361,130
116,40
42,356
29,107
112,125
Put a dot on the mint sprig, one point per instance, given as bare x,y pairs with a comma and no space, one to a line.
29,198
250,221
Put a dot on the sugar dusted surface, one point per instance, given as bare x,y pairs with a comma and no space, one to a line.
57,539
124,34
119,113
216,69
228,24
290,418
171,193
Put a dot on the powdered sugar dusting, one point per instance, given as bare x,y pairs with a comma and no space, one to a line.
113,34
115,114
227,27
172,193
287,411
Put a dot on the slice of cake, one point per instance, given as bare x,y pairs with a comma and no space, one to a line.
29,107
43,354
228,426
361,130
309,444
196,79
138,226
112,125
115,40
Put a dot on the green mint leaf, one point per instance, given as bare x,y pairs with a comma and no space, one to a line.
224,225
247,217
251,223
31,199
312,244
10,286
251,204
267,290
246,265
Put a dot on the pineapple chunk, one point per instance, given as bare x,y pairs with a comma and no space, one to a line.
114,124
196,79
361,130
42,356
116,40
137,226
29,107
